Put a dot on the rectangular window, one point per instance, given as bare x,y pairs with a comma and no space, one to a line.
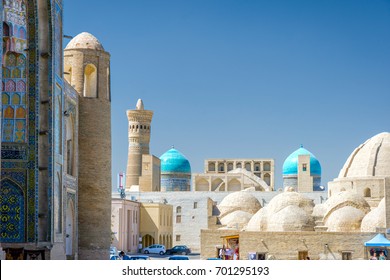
178,219
178,237
303,255
261,255
346,256
195,205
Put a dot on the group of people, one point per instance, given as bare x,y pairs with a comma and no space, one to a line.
381,256
229,254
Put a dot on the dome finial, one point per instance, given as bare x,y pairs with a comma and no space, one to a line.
140,105
301,145
173,146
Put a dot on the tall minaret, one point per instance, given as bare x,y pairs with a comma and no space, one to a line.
139,138
87,69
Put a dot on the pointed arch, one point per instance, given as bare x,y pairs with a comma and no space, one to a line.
234,185
12,212
10,86
15,99
202,185
5,99
21,86
20,113
90,81
8,113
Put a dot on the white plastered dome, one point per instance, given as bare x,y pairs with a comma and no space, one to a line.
374,219
241,200
372,158
85,40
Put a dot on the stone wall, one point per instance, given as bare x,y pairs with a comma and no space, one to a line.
287,245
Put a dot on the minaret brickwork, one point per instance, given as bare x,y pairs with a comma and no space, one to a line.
139,138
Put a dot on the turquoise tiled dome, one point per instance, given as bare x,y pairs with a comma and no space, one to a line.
174,162
290,165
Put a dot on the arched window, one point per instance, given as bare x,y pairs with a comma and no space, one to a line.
267,166
5,30
22,33
69,145
178,210
211,166
267,179
248,166
367,192
221,167
90,81
238,165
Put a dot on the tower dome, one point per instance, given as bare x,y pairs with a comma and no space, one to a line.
290,165
175,171
302,171
173,161
85,40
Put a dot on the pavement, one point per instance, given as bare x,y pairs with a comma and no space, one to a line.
192,256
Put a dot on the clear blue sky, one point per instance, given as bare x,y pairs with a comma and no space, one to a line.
248,79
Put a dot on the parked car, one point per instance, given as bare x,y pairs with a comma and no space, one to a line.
113,253
179,250
179,258
139,257
154,249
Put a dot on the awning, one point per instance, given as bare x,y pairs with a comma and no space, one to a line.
378,241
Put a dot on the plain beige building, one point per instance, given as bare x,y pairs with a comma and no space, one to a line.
150,179
125,223
156,226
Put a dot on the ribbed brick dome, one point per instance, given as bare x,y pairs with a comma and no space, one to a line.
372,158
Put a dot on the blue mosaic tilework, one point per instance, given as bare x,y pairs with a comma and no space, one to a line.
12,216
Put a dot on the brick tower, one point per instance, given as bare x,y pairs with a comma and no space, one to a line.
139,138
87,69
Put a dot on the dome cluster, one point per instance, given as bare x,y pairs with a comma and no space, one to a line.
288,211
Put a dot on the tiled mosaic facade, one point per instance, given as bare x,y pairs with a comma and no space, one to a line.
32,191
19,107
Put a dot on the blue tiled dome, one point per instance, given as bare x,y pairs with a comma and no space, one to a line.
174,162
290,165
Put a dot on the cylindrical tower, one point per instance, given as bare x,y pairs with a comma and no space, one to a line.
87,69
139,138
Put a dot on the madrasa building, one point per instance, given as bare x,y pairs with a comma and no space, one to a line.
210,202
55,187
233,205
352,223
